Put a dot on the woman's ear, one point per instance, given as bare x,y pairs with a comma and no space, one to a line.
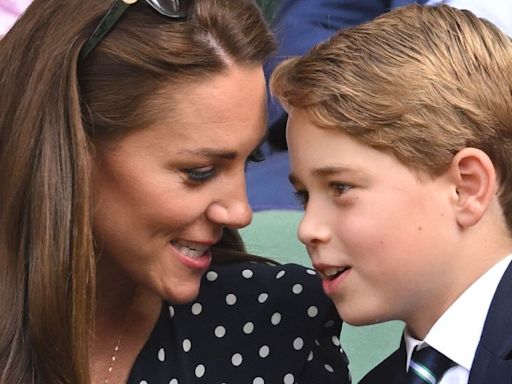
475,182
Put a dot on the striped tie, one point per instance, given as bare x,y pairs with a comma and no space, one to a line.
427,366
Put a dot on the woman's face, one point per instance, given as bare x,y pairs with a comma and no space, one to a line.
163,194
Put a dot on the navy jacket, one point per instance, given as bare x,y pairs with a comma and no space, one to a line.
493,358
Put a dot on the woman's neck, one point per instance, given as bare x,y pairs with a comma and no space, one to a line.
126,313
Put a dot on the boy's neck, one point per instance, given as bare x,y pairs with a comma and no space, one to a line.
471,259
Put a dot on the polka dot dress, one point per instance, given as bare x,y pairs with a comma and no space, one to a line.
251,323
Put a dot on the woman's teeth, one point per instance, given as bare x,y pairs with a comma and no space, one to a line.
192,250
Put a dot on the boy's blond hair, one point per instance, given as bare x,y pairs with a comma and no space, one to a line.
419,82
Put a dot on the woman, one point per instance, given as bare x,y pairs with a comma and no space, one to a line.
124,134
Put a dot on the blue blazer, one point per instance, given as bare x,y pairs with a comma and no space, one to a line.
493,358
301,24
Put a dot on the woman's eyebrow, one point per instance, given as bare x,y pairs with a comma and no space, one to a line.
212,153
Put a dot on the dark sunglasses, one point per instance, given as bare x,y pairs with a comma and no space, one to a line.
175,9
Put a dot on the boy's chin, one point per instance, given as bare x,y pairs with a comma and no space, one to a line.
359,317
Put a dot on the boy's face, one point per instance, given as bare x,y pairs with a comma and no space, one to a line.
380,236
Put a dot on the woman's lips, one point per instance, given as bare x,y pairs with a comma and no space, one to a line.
193,255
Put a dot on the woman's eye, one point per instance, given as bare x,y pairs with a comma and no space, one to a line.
256,156
199,175
340,188
302,197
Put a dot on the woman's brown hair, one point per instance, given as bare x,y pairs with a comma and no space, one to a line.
53,108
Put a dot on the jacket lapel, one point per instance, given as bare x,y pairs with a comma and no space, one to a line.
390,371
493,358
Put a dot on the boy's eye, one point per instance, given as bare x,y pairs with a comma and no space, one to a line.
340,188
302,197
199,175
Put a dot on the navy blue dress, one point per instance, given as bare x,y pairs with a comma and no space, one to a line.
251,323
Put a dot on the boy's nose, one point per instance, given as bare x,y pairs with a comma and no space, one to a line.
313,228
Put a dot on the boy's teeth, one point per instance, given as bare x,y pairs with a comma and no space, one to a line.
332,273
190,249
329,272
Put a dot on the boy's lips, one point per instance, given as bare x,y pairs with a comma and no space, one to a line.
330,272
332,277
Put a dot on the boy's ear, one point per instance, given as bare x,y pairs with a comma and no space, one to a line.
475,182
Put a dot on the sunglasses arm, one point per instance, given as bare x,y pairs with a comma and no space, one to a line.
109,20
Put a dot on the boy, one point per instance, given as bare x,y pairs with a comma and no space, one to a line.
400,141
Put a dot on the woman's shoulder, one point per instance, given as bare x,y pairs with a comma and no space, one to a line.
262,271
287,290
283,280
253,322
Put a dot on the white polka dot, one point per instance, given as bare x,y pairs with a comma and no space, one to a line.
297,288
336,341
317,343
211,276
196,308
312,311
143,382
220,331
310,356
298,343
258,380
236,359
288,379
173,381
264,351
248,328
276,318
161,354
230,299
311,271
328,368
280,274
262,297
200,369
171,311
187,345
329,324
247,273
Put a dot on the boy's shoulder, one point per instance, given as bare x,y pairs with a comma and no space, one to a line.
493,358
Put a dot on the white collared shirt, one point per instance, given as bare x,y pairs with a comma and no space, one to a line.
498,12
457,332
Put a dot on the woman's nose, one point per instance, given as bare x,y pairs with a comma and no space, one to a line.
232,209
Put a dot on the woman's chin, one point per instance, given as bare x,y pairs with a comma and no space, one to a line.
182,294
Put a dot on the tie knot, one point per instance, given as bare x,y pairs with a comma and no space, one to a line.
427,366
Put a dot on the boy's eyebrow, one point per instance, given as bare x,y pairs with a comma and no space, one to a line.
326,171
333,170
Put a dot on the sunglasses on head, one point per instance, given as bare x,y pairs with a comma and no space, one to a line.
175,9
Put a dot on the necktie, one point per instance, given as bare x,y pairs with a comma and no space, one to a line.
427,366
